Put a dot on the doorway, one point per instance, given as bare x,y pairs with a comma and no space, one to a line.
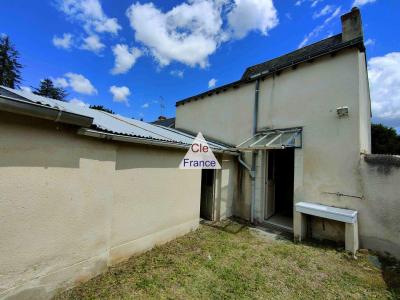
279,185
207,194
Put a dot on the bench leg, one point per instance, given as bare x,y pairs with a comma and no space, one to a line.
351,239
299,226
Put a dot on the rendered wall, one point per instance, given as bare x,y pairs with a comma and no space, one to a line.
71,205
379,215
225,186
307,96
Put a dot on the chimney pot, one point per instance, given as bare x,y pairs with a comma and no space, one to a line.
162,118
351,25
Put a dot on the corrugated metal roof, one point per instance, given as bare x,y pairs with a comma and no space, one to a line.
110,123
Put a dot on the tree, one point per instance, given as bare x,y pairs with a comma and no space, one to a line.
384,140
47,89
10,68
102,108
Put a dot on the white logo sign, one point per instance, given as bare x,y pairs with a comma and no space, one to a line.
199,156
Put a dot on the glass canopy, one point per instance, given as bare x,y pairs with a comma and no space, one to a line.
273,139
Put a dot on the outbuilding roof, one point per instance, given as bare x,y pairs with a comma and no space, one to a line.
106,123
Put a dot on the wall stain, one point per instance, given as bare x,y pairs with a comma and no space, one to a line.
384,163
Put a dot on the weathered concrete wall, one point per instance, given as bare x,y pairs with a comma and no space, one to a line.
71,205
225,186
380,209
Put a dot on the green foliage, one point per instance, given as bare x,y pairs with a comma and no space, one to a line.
102,108
10,68
47,89
384,140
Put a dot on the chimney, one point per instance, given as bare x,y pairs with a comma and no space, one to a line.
161,118
351,25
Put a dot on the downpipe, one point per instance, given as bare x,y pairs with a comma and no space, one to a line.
254,154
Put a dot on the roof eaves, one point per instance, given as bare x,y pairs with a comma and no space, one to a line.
28,108
358,42
145,140
209,93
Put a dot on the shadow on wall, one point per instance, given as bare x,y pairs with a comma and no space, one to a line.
150,157
30,142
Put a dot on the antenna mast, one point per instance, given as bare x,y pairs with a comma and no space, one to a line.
162,106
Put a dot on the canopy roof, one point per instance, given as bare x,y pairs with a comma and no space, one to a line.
273,139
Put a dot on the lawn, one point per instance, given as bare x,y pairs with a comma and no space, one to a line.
232,261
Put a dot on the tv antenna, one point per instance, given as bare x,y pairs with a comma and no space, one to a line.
162,106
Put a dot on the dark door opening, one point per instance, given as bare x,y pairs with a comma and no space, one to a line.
207,194
279,185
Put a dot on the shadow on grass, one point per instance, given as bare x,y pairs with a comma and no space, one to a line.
391,274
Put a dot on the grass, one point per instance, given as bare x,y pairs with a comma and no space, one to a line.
231,261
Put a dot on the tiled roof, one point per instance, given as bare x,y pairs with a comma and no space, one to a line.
170,122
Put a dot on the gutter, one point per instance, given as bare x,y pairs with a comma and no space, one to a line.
31,109
143,141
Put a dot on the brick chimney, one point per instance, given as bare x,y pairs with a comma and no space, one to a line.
161,118
351,25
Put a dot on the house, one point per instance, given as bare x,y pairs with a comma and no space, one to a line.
82,189
302,125
166,122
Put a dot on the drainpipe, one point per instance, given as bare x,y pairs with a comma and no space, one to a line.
254,154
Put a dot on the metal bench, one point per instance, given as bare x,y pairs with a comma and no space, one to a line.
348,216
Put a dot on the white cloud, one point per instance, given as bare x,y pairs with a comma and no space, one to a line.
78,102
64,42
317,30
299,2
120,94
90,14
80,84
26,89
212,82
362,2
76,82
248,15
60,82
327,9
145,105
125,58
384,77
177,73
92,43
315,3
370,42
190,32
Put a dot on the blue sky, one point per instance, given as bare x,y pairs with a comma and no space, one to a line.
127,55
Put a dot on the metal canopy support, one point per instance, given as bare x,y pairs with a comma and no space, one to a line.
273,139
